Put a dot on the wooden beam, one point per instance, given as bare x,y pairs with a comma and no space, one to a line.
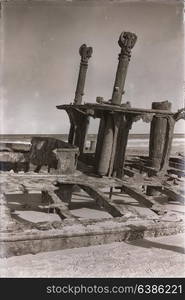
177,165
138,195
60,207
144,199
170,192
113,108
101,200
176,171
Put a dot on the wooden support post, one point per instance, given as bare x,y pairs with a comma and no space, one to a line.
126,41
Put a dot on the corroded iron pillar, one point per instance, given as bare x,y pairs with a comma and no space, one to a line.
126,41
109,127
124,127
105,148
161,133
79,123
85,53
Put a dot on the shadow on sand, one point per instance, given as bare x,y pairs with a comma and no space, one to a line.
151,244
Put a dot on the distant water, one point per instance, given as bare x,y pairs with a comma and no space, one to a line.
134,141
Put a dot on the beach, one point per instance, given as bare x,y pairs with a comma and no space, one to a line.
149,257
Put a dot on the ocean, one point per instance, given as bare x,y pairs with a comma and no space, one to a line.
135,140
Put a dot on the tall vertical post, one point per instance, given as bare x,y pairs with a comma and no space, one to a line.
161,134
158,135
126,41
79,123
105,152
124,127
108,133
85,53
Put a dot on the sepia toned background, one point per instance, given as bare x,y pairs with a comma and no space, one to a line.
40,58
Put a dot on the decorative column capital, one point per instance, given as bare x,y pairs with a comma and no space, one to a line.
127,41
85,53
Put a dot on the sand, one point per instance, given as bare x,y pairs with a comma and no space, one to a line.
152,257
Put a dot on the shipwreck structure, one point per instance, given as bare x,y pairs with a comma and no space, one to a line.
102,167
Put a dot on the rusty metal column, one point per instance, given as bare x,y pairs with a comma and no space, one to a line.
85,53
161,133
124,127
77,129
106,153
126,41
158,132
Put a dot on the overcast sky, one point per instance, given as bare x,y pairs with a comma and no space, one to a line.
41,59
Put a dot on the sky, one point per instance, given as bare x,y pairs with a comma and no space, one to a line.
40,59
